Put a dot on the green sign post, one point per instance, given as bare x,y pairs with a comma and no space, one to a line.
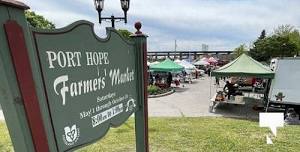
63,89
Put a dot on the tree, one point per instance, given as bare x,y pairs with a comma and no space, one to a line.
256,52
262,34
239,50
38,21
283,30
295,38
284,42
125,33
289,32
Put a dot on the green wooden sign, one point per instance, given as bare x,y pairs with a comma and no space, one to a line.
90,83
63,89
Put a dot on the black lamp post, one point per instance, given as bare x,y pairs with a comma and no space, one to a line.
99,4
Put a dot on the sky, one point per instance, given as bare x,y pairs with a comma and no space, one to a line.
221,24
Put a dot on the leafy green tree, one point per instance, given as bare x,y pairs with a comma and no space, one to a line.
295,38
38,21
292,34
256,52
125,33
239,50
289,38
284,42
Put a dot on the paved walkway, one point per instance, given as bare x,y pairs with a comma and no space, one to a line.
193,100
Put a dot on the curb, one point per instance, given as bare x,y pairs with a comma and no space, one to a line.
161,95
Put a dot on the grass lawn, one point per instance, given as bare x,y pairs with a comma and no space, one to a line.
5,142
191,135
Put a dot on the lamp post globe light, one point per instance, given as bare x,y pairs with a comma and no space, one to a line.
99,5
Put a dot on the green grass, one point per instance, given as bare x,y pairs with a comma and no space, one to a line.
192,135
5,142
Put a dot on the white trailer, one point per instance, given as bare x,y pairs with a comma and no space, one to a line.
285,87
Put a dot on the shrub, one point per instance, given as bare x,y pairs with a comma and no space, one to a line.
152,89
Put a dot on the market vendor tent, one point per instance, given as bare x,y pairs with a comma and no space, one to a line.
166,66
177,61
244,66
204,59
201,62
152,63
212,60
187,65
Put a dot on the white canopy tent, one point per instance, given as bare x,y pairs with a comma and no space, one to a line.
189,68
204,59
212,60
201,62
155,62
177,61
187,65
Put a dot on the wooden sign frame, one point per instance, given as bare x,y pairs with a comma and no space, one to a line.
22,85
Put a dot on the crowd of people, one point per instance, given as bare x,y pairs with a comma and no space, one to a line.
167,78
160,78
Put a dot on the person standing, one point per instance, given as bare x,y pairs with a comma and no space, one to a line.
208,71
217,81
169,79
230,88
157,78
151,79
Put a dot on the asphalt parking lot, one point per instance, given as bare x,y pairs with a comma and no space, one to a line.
193,100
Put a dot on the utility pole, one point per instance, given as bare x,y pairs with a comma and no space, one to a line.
175,47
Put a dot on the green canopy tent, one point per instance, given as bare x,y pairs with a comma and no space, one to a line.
166,66
244,66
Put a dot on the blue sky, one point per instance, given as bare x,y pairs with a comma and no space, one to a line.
222,24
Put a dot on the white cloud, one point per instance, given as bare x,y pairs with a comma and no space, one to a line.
221,24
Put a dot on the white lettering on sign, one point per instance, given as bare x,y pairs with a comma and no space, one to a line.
64,89
77,88
63,59
96,58
86,113
120,78
106,97
66,59
106,115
